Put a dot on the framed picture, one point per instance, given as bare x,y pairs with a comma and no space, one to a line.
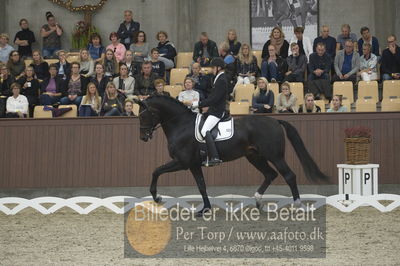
287,14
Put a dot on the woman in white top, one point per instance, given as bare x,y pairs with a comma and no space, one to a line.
286,102
91,102
189,95
125,84
303,41
86,62
17,104
368,63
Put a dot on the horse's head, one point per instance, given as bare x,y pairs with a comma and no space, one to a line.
149,119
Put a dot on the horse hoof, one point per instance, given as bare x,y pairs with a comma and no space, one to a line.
158,199
259,205
202,212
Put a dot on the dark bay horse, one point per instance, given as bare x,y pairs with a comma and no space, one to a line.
260,139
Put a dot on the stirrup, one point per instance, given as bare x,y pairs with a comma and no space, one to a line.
212,162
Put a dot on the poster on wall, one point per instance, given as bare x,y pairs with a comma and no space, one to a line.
287,14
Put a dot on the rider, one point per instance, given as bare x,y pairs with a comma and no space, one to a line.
216,103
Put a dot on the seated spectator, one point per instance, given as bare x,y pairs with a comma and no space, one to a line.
205,50
346,35
337,106
125,84
347,63
128,108
87,63
5,48
166,49
304,42
40,66
140,49
320,64
273,66
230,65
128,28
309,105
129,63
246,66
234,45
30,87
328,41
63,67
99,79
158,67
390,64
297,64
366,37
24,39
15,65
96,49
202,81
112,105
144,82
286,100
368,64
189,95
52,88
51,34
223,50
91,102
277,39
110,64
6,79
263,97
17,104
159,84
76,86
117,47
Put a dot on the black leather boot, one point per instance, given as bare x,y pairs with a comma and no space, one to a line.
213,158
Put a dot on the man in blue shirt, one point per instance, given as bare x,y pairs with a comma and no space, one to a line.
329,41
347,63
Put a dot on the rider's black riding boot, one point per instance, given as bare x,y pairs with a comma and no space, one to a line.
212,151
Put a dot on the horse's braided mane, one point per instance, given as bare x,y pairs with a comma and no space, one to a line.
170,99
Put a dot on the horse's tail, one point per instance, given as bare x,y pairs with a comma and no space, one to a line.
310,168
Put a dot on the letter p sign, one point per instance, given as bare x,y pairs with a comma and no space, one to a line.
367,177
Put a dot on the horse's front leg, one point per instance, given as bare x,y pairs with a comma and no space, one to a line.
169,167
201,184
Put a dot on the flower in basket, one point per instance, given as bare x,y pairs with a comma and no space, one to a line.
358,132
357,145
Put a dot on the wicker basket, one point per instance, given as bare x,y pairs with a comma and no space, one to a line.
357,150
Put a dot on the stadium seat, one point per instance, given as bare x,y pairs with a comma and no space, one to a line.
368,90
344,88
244,92
297,88
366,105
275,89
178,75
73,58
258,54
391,88
173,90
38,112
391,105
28,62
72,113
184,60
321,104
239,108
51,61
135,109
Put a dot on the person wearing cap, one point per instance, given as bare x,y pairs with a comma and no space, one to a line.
216,103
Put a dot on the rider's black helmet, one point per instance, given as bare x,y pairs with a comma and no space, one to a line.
218,62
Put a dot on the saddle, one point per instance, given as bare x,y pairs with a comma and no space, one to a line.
224,130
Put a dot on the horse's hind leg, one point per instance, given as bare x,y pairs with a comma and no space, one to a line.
289,176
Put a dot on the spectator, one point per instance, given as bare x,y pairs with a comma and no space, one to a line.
230,65
30,87
17,104
15,65
276,38
112,105
125,84
128,108
86,62
5,88
234,45
166,49
286,100
346,35
329,41
366,37
158,67
51,34
96,50
63,67
110,64
297,64
309,106
273,66
202,81
304,42
40,66
159,84
127,29
5,48
24,39
129,63
99,79
189,95
205,50
337,106
347,63
223,50
117,47
144,82
52,87
390,64
76,86
263,97
91,102
140,48
246,66
368,64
